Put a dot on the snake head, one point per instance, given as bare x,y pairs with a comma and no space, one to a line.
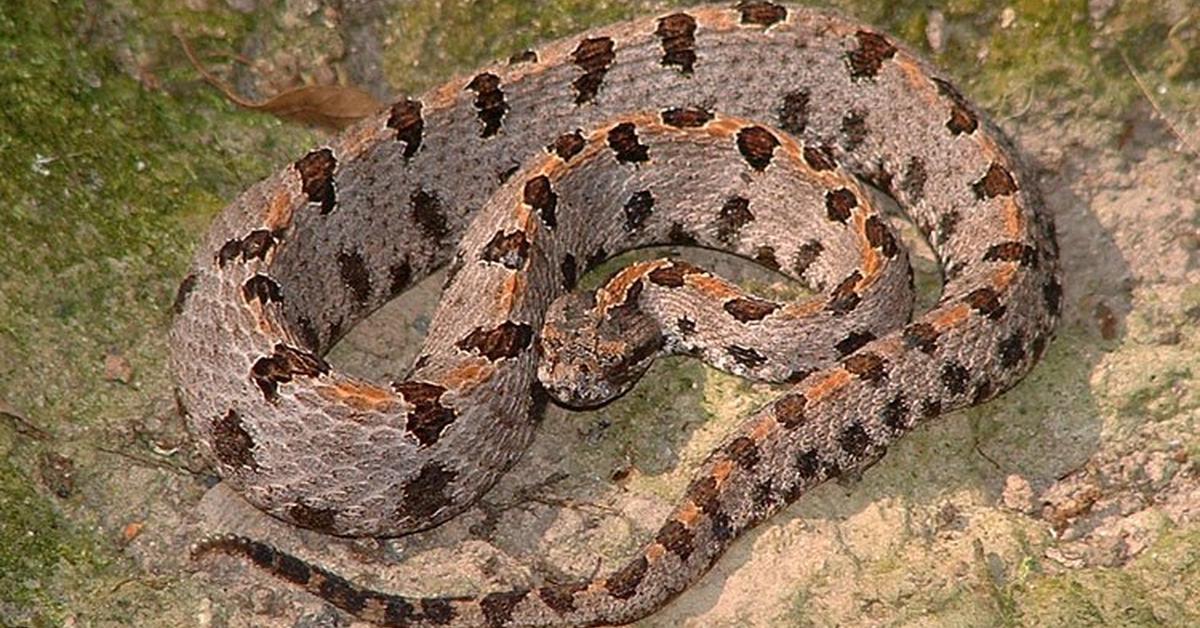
591,357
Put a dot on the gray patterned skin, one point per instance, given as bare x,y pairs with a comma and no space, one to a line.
735,127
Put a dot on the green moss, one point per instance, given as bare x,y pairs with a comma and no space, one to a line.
107,182
103,179
36,545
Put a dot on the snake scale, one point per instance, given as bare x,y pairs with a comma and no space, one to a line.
745,127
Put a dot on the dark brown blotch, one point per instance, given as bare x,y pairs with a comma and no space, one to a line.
854,440
735,213
320,519
686,117
757,146
540,196
437,611
962,119
257,244
947,227
281,366
743,452
406,119
291,569
880,236
806,254
428,492
567,145
677,539
1018,252
915,177
677,32
986,302
798,375
955,377
510,250
623,140
705,494
637,209
680,235
507,340
570,271
765,256
793,111
428,417
594,56
746,356
808,464
228,252
342,593
998,181
504,175
854,129
761,13
308,334
866,60
1052,293
596,258
819,157
489,102
673,274
685,325
561,597
838,204
316,178
1037,347
1011,350
867,366
789,410
895,413
721,527
186,287
748,309
354,274
231,442
624,584
428,213
498,607
853,341
881,178
396,611
844,298
921,336
525,56
400,275
263,289
983,391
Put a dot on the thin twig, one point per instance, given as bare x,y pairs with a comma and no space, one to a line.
149,463
211,78
1154,104
24,426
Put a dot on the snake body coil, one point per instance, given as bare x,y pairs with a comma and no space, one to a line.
744,128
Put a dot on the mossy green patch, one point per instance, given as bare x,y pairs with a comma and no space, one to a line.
103,178
36,546
107,181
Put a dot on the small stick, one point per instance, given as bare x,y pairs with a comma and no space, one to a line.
1153,103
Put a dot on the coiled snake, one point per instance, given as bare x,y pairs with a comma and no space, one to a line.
744,128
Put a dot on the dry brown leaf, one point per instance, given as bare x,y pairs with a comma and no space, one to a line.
331,107
328,106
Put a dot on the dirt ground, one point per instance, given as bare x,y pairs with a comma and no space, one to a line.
1073,500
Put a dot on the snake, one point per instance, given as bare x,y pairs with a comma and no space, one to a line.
777,133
